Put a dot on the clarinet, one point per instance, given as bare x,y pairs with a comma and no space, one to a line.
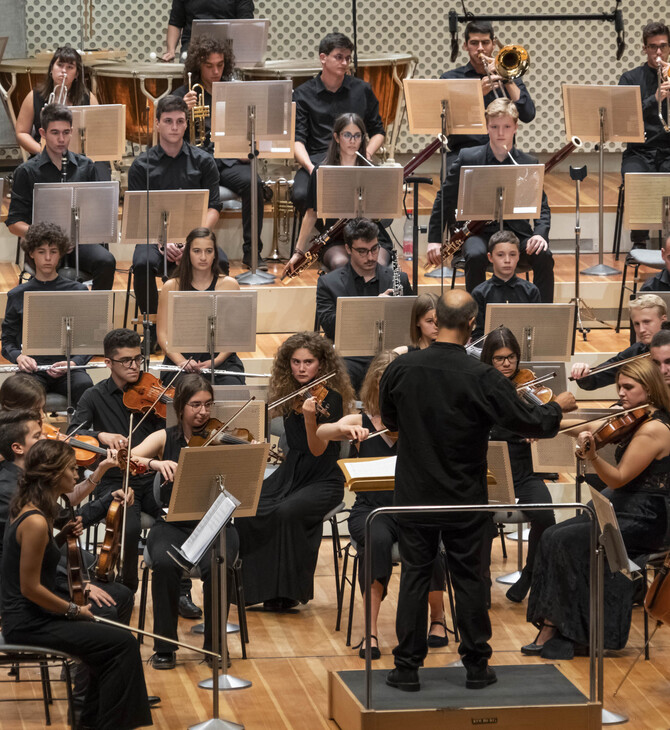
63,167
397,284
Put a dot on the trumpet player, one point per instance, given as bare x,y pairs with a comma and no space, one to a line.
479,44
652,155
209,61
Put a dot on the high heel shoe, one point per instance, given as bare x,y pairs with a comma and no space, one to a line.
374,650
535,649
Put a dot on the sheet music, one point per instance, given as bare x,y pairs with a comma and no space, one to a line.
217,516
362,469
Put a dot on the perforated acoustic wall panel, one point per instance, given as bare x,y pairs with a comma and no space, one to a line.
572,52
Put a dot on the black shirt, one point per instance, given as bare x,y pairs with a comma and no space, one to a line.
191,169
497,291
443,403
660,282
600,380
184,12
525,107
9,478
647,79
317,109
12,325
40,169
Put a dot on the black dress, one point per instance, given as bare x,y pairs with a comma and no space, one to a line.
232,362
560,588
280,545
117,694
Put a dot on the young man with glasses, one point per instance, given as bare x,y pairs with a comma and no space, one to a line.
363,276
652,155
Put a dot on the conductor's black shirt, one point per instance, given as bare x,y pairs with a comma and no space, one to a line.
647,79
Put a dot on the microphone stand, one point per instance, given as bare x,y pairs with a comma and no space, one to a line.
577,174
146,323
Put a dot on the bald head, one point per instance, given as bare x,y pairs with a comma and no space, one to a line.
456,310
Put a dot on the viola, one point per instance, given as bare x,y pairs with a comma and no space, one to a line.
147,393
111,544
319,393
77,575
535,392
620,426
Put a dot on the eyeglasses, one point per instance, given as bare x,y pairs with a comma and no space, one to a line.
197,405
659,47
340,58
367,251
349,136
128,362
500,359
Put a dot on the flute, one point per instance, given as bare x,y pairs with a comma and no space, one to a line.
41,368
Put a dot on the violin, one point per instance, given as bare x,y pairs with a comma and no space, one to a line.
530,387
215,428
147,393
111,544
620,426
319,392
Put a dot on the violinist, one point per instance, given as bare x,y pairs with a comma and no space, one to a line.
101,413
33,614
198,271
280,545
193,400
423,324
647,313
502,351
638,486
660,353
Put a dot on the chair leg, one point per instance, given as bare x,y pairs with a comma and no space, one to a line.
616,244
241,608
144,590
46,691
519,552
345,563
335,537
636,279
68,690
127,304
623,288
352,599
501,532
450,595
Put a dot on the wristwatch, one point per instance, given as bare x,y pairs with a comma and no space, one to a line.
72,611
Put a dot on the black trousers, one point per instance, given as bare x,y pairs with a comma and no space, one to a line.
463,541
80,382
644,160
301,185
151,252
237,178
167,576
476,261
532,490
357,367
97,261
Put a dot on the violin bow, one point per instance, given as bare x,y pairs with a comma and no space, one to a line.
161,394
615,364
353,442
483,337
301,390
603,418
537,381
126,481
214,434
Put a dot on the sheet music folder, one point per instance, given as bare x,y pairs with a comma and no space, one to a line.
368,475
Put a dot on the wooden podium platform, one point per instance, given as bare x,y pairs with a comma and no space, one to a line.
525,697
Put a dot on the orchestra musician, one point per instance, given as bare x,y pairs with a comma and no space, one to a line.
443,404
423,324
319,101
280,545
47,167
647,314
652,155
358,426
637,486
173,165
159,451
661,281
502,121
33,614
659,347
208,62
45,244
362,276
184,12
198,270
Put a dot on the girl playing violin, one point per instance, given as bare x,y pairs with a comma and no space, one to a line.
639,489
502,350
280,545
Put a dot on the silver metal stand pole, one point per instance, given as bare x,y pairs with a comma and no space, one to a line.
67,326
75,230
211,334
164,219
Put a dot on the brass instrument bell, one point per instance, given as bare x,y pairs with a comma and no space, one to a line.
511,62
197,130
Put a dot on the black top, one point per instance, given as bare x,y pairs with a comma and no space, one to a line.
497,291
40,169
16,608
525,107
317,109
600,380
38,104
443,403
655,478
367,450
660,282
345,282
191,169
12,325
647,79
9,478
184,12
483,155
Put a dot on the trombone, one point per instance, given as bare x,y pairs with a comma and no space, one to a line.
199,113
511,62
663,71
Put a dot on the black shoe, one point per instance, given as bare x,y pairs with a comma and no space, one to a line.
374,650
280,605
535,649
435,641
480,678
188,609
163,660
153,700
406,680
519,590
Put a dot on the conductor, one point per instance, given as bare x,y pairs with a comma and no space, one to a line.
443,403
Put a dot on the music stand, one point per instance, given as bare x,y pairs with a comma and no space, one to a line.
202,473
365,326
88,212
611,538
646,197
251,114
212,321
603,114
247,36
108,121
544,331
357,192
66,323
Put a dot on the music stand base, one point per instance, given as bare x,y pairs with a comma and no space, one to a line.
216,724
226,682
448,273
255,279
509,579
601,270
612,718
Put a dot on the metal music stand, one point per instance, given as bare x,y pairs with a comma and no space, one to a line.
247,36
66,323
578,174
357,192
365,326
253,115
646,200
212,321
202,473
603,114
444,106
544,331
107,122
611,538
88,212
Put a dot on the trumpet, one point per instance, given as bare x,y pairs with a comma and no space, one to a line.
663,72
61,98
198,115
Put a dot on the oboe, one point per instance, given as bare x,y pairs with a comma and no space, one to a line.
63,167
397,284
